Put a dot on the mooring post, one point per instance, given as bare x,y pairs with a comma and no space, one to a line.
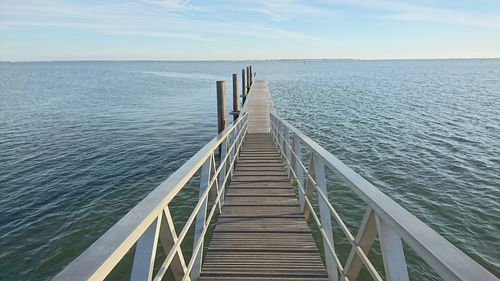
236,109
248,79
251,75
243,87
221,105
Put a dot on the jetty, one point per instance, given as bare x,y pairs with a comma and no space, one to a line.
261,184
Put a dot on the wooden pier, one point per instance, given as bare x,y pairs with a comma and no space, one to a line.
261,232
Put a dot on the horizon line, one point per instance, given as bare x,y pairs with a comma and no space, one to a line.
238,60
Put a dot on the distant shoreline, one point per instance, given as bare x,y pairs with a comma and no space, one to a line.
250,60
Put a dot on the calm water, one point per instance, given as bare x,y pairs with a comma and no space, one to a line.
82,142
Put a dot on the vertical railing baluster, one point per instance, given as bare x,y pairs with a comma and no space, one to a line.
234,140
224,166
287,150
326,221
201,217
364,239
273,125
297,149
280,137
283,151
214,191
145,253
168,237
309,187
293,158
392,252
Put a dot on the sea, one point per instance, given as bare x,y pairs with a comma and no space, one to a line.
82,142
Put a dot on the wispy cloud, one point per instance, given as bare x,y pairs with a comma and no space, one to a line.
144,18
283,10
289,28
407,11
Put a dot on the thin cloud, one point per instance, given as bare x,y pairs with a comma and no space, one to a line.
135,19
274,10
405,11
282,10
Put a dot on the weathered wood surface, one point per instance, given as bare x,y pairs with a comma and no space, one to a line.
258,106
261,233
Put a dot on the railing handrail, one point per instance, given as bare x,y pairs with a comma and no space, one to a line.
100,258
446,259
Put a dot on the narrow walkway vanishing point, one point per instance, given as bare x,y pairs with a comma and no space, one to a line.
261,232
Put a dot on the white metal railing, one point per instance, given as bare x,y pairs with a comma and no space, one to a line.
383,217
150,221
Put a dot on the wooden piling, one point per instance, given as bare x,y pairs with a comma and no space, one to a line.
251,74
236,105
248,79
221,105
243,87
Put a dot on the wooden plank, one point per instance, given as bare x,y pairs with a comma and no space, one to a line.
260,168
260,161
250,156
261,184
260,192
257,164
256,178
278,173
258,107
261,201
261,233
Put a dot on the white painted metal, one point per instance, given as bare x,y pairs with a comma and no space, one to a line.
297,152
286,141
223,155
446,260
100,258
231,157
392,252
145,253
168,238
206,175
326,220
361,246
150,220
310,185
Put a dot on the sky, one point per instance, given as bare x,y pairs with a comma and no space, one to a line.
33,30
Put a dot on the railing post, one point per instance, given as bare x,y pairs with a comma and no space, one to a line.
168,237
206,175
222,175
145,252
297,149
287,150
309,187
232,152
221,105
282,141
236,106
214,192
364,239
392,252
326,221
273,125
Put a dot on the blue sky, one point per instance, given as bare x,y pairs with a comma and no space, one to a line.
250,29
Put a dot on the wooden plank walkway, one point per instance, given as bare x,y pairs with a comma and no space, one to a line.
261,233
258,106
